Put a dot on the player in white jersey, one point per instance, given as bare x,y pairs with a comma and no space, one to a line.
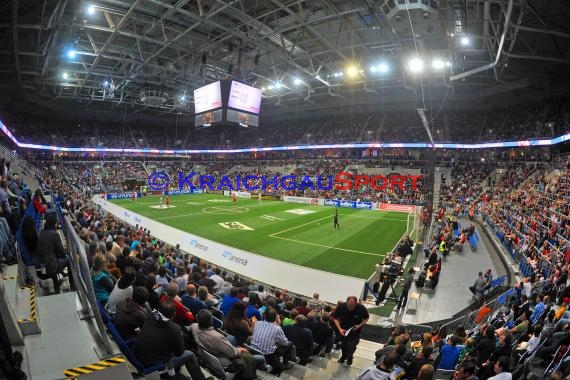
160,202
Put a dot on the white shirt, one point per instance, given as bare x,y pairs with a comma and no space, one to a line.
218,280
117,296
502,376
527,289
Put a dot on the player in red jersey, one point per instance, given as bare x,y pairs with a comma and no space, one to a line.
167,201
235,199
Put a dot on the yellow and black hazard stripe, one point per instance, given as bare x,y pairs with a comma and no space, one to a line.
8,278
32,317
73,373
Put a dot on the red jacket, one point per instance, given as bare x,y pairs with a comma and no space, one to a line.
39,206
182,316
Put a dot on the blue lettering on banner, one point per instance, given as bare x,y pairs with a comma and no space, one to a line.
231,257
122,195
198,245
348,204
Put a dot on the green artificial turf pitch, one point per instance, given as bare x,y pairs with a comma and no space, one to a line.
304,237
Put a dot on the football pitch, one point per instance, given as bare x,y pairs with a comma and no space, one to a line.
295,233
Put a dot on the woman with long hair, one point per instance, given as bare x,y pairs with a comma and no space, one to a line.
237,324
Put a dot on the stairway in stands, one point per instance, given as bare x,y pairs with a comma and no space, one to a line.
324,368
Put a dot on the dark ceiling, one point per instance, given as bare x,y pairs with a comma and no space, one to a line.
106,55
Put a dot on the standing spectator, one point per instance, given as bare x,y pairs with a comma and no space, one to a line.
449,354
315,304
349,318
406,289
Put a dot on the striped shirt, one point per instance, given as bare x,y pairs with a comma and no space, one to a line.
267,336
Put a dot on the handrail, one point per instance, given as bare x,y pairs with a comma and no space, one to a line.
84,286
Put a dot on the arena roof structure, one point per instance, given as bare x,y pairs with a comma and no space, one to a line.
151,54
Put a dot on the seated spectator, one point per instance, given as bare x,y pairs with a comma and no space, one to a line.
123,289
269,340
162,281
50,252
103,282
182,316
381,371
301,337
153,297
182,278
482,313
426,372
205,296
237,325
191,301
323,334
218,345
501,369
424,357
448,355
315,304
466,371
479,284
131,313
160,341
303,309
229,300
39,202
252,307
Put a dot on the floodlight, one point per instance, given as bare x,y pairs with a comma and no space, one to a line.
464,41
91,9
437,64
297,81
383,68
415,65
71,53
352,71
65,75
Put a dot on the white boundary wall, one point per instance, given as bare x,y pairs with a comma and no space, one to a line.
295,278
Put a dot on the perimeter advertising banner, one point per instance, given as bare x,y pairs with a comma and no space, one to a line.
396,207
127,195
307,201
348,204
239,194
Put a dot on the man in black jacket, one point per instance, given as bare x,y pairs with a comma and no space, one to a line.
301,337
322,334
131,313
160,341
50,251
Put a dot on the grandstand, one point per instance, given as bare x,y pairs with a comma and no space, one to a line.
295,189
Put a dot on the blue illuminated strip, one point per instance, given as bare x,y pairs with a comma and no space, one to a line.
505,144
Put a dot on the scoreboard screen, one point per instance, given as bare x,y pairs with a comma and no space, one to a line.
242,118
208,97
208,118
244,98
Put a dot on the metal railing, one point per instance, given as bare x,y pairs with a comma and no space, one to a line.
84,286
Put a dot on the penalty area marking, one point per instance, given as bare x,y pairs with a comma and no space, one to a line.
161,207
327,246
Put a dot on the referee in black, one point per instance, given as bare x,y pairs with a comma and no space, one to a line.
335,220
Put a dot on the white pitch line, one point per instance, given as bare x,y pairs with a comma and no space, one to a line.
329,247
301,225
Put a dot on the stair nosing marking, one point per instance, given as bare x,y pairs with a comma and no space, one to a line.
8,278
73,373
32,317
